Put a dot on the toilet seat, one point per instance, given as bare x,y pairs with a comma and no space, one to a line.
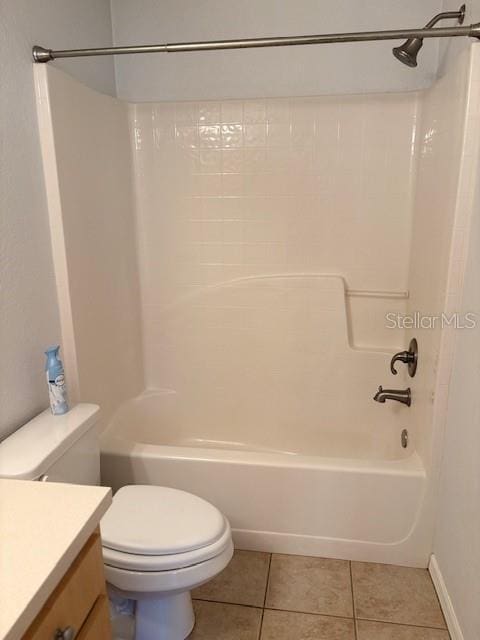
129,582
150,528
139,562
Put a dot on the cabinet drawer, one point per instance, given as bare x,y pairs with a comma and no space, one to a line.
73,599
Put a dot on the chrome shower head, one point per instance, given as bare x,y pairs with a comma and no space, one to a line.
408,51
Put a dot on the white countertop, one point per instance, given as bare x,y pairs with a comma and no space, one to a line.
43,527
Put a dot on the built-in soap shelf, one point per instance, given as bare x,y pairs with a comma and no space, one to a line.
374,293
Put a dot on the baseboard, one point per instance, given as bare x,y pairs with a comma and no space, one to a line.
445,601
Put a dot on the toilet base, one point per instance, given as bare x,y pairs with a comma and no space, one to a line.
170,617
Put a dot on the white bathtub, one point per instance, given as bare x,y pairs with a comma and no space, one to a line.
353,499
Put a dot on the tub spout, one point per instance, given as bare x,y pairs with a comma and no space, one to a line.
400,395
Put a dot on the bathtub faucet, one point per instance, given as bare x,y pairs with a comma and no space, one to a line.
400,395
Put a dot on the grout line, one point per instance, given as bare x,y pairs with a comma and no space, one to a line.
268,580
353,601
261,626
265,595
402,624
310,613
235,604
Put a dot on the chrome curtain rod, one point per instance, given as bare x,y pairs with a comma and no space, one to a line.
40,54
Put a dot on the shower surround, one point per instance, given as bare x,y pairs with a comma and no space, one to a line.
229,192
272,238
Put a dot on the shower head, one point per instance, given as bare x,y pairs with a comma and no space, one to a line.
408,51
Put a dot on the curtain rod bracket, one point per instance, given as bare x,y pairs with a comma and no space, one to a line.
40,54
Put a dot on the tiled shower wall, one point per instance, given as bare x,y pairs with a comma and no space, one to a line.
233,189
320,184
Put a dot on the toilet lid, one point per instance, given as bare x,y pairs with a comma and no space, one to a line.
149,520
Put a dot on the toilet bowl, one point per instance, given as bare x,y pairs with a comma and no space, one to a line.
159,544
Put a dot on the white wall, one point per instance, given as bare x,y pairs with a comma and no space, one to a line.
456,545
29,317
87,159
283,71
457,542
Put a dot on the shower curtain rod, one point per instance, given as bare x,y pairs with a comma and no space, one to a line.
40,54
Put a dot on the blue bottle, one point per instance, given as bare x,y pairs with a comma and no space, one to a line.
57,390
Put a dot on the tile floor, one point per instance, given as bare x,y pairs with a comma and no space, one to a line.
263,596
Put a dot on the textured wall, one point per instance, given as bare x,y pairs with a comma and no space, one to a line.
29,317
283,71
456,544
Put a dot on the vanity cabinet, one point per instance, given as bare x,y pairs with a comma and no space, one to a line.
78,608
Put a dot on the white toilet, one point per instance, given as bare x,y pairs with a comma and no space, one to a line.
158,543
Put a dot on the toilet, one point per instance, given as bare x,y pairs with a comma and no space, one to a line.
159,543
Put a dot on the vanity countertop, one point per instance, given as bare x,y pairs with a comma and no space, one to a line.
43,527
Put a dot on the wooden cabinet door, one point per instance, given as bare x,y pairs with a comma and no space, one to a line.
97,625
75,596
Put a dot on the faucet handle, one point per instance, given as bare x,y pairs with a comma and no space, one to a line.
408,357
401,356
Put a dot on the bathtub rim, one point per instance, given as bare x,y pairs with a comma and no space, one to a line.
112,443
114,431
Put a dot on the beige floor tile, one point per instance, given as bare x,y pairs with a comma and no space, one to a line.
217,621
244,581
310,585
383,631
285,625
389,593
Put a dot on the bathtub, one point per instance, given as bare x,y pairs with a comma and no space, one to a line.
354,499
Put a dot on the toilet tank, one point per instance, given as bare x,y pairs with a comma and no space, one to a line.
55,448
